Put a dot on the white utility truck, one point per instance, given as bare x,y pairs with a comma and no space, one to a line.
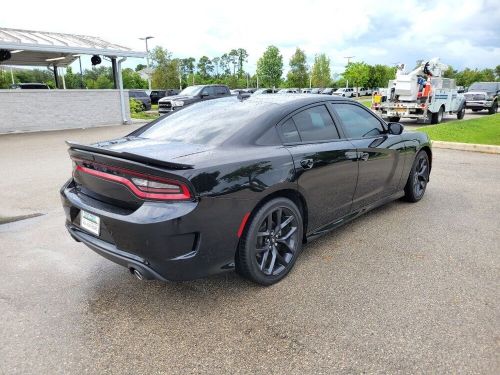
422,94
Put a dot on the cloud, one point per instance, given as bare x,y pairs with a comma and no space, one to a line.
461,32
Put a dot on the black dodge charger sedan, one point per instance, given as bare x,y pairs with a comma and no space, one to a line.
238,184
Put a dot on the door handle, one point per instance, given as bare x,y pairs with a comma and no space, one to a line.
307,163
364,156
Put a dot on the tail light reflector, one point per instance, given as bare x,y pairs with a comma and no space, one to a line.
142,185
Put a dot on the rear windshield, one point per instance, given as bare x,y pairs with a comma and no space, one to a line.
208,123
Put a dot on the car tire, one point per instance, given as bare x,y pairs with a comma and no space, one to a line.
266,252
418,178
394,119
493,109
475,110
461,113
437,117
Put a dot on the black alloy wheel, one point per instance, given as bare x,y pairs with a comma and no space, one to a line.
271,243
418,178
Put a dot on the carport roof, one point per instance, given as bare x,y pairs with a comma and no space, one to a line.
33,48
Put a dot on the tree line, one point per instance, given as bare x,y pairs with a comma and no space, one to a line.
229,69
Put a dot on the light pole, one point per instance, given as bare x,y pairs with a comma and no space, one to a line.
349,59
147,58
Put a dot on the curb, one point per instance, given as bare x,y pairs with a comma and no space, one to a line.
489,149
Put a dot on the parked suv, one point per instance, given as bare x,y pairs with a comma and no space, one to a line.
141,96
346,91
190,95
158,94
483,95
29,86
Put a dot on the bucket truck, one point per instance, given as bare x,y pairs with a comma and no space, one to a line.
422,94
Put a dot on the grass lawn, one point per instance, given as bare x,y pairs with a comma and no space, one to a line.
154,107
144,116
484,130
367,103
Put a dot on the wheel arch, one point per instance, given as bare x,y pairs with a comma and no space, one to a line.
428,150
294,195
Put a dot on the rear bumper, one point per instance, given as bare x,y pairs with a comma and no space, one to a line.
165,241
110,252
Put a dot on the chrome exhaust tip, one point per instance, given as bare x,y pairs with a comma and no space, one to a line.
137,273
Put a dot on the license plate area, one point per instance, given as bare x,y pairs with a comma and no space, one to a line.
90,222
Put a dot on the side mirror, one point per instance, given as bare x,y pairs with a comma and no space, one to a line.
395,128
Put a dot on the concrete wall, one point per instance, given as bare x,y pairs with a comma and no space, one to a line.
32,110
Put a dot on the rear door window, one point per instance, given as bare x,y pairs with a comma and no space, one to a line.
315,124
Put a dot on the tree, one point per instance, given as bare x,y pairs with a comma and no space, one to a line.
497,72
216,64
270,67
167,70
380,75
187,69
233,59
140,67
133,80
298,75
357,74
321,75
242,58
450,72
225,62
205,68
73,81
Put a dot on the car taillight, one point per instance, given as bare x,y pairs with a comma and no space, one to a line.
144,186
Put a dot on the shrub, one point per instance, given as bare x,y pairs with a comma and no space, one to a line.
135,106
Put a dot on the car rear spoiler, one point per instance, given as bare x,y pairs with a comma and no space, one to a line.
128,156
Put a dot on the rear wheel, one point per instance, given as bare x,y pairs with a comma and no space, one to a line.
493,109
461,113
437,117
418,178
394,119
271,243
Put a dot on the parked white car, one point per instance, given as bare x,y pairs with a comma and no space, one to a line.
346,91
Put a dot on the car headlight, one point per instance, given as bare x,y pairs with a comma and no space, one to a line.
177,103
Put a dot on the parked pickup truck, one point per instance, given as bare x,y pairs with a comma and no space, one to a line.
483,95
190,95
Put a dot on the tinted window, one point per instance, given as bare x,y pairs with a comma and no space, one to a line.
210,90
315,124
209,122
220,90
138,94
358,122
289,132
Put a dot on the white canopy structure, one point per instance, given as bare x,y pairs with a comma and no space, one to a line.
52,50
41,48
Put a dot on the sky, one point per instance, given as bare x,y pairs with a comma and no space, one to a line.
463,33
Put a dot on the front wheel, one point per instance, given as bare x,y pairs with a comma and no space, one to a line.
271,242
418,178
493,109
461,113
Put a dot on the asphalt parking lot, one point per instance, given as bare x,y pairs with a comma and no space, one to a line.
408,288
